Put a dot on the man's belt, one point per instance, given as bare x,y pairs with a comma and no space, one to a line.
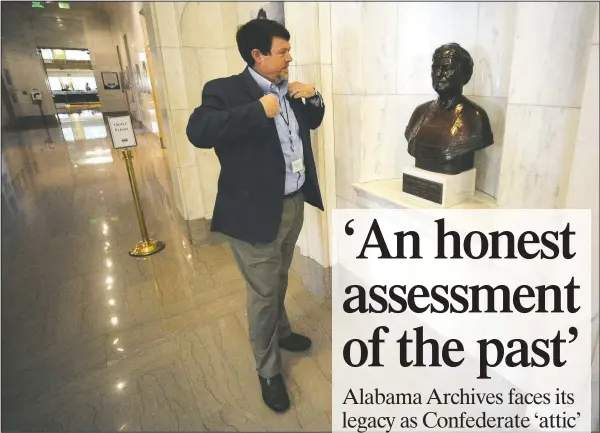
292,194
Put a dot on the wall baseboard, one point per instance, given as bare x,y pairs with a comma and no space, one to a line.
199,232
316,278
31,122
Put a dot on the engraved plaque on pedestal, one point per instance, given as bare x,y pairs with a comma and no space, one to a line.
438,189
422,188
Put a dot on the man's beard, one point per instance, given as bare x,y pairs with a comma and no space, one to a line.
283,76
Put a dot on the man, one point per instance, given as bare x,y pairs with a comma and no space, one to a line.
259,126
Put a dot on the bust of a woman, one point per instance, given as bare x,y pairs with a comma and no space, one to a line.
444,134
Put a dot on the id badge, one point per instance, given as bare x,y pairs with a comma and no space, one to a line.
298,165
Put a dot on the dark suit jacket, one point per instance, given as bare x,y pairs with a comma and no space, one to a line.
250,195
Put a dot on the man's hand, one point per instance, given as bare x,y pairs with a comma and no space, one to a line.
271,105
300,90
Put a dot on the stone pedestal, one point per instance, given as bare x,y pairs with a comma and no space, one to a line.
442,190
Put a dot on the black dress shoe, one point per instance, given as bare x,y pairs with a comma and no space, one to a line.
295,343
274,393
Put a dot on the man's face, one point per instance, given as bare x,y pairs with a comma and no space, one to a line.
446,75
274,67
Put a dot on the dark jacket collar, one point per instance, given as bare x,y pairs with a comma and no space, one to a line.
250,84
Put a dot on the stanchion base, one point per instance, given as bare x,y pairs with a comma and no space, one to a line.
147,248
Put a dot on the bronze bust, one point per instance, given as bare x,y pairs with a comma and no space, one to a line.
444,134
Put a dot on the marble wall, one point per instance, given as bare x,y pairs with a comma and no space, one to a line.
550,63
191,43
24,29
583,190
165,53
381,63
309,24
209,51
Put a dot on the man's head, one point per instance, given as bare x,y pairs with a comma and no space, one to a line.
451,69
264,45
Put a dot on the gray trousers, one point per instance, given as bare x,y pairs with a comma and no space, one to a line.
265,268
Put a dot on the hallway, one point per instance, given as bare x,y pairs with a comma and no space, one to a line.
95,340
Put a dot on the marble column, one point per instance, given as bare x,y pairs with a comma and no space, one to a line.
309,26
326,140
209,51
583,189
549,63
165,49
191,43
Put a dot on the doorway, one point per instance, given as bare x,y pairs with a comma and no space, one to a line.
72,84
70,78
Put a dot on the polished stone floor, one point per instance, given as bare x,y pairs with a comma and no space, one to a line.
95,340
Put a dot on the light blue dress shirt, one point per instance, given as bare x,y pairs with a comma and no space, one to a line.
287,129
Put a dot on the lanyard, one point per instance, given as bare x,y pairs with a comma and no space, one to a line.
286,119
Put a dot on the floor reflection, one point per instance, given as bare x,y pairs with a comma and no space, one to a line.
84,131
83,124
153,120
95,340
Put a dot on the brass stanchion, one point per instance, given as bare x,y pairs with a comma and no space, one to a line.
147,246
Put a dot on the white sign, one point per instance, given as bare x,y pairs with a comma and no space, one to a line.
36,95
121,132
110,80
